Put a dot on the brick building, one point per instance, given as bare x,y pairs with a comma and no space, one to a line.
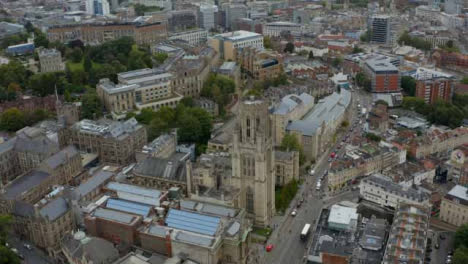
443,58
384,76
260,64
433,85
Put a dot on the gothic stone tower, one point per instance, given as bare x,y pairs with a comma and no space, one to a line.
253,161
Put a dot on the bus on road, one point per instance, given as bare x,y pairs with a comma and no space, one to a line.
305,232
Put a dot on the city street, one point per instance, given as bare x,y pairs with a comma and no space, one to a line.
31,256
288,247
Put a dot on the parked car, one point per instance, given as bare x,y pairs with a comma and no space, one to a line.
27,246
294,212
269,248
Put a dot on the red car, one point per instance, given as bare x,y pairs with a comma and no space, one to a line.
269,248
333,155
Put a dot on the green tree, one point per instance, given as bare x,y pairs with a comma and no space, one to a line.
13,72
373,137
6,255
311,55
218,88
464,80
40,39
461,255
44,84
267,42
157,127
76,55
91,106
140,9
289,47
408,84
336,61
160,58
189,129
357,49
187,101
12,119
366,36
290,142
88,64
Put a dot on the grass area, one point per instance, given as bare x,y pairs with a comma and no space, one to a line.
284,195
262,231
73,66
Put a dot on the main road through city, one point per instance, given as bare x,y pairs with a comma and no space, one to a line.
288,247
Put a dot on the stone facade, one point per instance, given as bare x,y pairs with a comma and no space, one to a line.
454,206
253,161
114,142
286,167
100,33
260,64
51,60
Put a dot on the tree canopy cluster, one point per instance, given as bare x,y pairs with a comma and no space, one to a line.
461,245
285,194
14,119
140,9
442,113
218,88
193,124
289,143
419,43
363,81
408,84
6,255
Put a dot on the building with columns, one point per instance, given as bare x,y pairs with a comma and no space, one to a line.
253,161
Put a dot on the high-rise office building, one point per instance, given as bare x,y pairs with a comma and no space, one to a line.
380,29
98,7
206,16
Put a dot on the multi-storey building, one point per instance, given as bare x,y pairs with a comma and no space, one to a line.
51,60
115,142
234,11
435,141
443,58
226,44
193,37
24,152
98,7
315,130
408,234
459,165
275,29
364,161
384,76
145,88
190,73
100,33
384,192
433,85
292,107
380,29
253,169
206,16
181,20
454,206
260,64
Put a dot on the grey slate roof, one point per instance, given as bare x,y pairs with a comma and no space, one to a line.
23,209
387,185
61,157
289,102
328,109
195,239
283,155
171,169
92,183
93,249
8,145
39,144
114,215
25,183
54,209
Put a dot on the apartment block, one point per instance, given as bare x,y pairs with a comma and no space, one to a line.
433,85
384,76
383,191
408,234
275,29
